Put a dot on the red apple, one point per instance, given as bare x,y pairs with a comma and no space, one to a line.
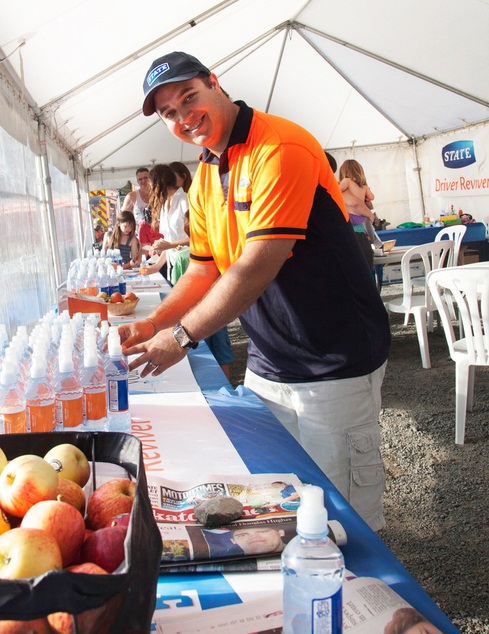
130,296
3,460
110,499
37,626
88,622
105,547
28,552
71,493
24,481
88,568
70,462
120,520
61,520
77,560
4,523
115,298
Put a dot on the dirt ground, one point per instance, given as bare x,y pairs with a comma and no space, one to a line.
436,500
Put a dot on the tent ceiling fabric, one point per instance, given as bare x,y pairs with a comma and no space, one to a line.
350,72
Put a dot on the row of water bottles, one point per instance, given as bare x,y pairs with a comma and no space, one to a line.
94,274
63,378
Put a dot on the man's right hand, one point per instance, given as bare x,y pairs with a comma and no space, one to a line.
135,332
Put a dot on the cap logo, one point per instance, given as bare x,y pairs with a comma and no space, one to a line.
156,72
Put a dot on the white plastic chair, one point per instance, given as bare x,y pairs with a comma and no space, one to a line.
433,255
468,287
455,233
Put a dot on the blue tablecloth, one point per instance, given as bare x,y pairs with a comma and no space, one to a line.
475,234
266,447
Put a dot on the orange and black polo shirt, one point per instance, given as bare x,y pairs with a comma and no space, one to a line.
322,317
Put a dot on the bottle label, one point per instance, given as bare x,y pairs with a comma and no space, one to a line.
41,417
327,617
95,405
122,288
14,423
69,413
118,395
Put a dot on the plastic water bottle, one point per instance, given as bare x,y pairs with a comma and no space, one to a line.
144,271
40,397
102,280
12,401
313,569
122,280
94,384
69,393
117,387
113,282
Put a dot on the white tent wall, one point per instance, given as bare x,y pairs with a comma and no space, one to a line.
32,246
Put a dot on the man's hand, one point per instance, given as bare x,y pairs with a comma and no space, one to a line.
135,332
161,245
159,353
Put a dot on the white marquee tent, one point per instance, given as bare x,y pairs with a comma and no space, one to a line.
388,82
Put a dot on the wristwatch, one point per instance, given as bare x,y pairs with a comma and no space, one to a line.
182,337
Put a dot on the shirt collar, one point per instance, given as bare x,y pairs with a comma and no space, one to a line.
239,133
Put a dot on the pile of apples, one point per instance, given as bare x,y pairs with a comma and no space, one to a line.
117,298
43,524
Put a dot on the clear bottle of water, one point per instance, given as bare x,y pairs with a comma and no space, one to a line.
313,568
91,281
12,401
122,280
94,384
144,271
102,279
113,282
69,393
117,386
40,397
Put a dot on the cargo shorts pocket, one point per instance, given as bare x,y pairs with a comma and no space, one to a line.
367,474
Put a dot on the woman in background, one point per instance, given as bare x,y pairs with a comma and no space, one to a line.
169,202
182,172
353,185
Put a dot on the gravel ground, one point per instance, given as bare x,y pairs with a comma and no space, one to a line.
436,500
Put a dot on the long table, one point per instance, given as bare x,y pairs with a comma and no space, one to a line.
265,446
475,236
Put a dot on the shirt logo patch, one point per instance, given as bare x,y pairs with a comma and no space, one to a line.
244,181
156,72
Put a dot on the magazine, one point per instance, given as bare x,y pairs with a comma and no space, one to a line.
267,523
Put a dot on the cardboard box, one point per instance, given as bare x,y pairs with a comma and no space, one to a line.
468,256
79,303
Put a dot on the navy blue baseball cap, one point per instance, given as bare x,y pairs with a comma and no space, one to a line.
176,66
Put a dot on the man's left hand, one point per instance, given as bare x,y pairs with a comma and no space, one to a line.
157,354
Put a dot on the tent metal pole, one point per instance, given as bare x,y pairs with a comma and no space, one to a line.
48,199
418,170
277,68
78,204
299,27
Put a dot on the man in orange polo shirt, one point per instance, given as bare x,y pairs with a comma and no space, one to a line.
271,243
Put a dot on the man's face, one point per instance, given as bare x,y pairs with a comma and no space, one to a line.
143,181
258,540
196,113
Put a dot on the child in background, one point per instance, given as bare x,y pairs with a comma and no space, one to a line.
219,343
123,237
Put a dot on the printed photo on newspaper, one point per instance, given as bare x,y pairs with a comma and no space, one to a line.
266,525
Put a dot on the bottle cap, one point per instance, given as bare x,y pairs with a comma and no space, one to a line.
312,516
9,373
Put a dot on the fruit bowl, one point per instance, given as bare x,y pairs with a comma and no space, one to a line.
122,308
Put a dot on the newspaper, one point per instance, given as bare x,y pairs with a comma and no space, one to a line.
267,523
369,607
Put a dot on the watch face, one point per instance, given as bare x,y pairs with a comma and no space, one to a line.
182,338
